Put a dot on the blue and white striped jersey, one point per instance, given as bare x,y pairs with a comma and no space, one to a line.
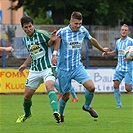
70,47
123,65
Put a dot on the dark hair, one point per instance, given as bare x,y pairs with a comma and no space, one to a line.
26,20
76,15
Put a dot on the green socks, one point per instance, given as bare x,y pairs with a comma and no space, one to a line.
53,100
27,105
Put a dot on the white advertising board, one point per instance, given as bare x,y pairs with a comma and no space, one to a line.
103,81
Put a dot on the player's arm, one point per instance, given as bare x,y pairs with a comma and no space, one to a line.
53,37
55,52
7,49
98,46
24,65
109,53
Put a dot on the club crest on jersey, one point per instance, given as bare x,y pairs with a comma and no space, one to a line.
34,48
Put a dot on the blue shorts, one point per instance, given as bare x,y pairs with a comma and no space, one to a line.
127,76
64,77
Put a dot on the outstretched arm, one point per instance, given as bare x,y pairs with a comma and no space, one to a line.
98,46
111,53
7,49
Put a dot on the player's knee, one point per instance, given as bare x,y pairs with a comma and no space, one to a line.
91,89
66,97
128,88
27,98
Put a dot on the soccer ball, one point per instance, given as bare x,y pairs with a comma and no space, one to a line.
128,53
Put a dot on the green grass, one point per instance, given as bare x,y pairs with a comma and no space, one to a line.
111,120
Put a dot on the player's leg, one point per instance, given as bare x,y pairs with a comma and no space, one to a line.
63,103
65,86
117,94
56,85
32,83
27,105
128,81
118,76
89,94
49,83
82,76
73,93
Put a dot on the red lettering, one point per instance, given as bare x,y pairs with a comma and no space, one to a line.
13,74
15,86
1,73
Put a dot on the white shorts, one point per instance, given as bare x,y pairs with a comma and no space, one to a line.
36,78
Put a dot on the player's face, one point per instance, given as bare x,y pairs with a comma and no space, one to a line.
124,31
75,24
28,29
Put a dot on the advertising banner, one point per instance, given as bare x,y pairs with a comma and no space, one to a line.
12,81
103,80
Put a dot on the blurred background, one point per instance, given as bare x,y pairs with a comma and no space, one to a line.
102,18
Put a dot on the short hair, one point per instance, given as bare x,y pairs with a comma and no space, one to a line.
26,20
76,15
125,25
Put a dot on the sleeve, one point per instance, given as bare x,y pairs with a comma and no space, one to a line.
87,34
46,34
24,42
58,33
116,49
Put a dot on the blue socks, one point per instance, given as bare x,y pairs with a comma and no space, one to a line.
62,106
73,93
118,96
88,99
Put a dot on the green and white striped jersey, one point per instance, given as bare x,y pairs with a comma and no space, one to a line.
39,51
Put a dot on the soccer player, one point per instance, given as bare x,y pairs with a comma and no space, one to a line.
37,43
123,69
69,63
7,49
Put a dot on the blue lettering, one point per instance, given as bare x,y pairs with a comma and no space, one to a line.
97,77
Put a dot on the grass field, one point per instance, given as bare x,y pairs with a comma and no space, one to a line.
111,120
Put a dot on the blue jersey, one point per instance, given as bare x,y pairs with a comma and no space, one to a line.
70,47
123,65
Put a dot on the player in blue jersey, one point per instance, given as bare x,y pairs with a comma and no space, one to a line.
123,69
69,62
37,43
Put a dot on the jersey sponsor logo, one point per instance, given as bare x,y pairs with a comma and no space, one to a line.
75,45
35,52
34,48
121,53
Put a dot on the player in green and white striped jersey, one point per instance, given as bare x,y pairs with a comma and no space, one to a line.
37,43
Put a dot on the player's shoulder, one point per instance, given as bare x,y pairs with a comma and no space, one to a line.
129,38
45,32
62,30
118,40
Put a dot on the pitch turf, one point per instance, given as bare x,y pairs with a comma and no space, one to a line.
111,120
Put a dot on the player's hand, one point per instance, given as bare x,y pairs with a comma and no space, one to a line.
21,68
10,49
53,36
104,53
106,49
54,60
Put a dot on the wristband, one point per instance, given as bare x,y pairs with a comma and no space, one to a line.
55,52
